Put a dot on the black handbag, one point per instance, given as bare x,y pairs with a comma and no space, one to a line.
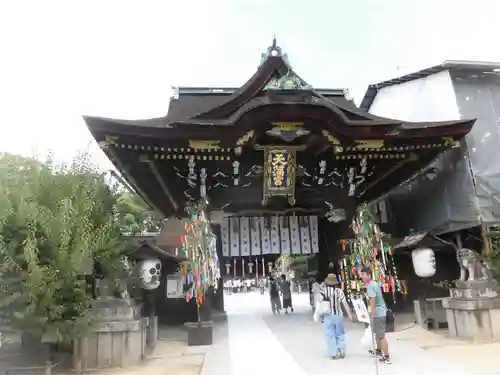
389,321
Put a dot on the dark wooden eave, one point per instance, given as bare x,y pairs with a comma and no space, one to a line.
230,101
145,151
322,111
422,240
205,113
191,101
272,66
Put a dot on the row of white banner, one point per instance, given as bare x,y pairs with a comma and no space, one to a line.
245,236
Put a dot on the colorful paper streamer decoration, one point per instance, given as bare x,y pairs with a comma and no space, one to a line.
201,270
369,248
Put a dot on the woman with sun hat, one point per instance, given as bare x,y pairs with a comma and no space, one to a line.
333,320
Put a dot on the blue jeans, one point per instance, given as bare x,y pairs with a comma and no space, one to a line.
334,334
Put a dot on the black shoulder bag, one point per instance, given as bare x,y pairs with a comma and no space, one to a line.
389,321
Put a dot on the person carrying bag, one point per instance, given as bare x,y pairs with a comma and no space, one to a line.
330,309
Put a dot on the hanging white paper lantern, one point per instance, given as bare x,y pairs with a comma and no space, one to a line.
150,273
424,262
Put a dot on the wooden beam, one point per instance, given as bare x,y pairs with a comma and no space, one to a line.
288,211
411,158
164,186
129,179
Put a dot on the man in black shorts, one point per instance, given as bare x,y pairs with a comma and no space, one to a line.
378,312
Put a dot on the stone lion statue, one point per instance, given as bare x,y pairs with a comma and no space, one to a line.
471,267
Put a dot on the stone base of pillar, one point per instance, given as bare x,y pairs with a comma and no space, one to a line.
218,300
473,311
219,316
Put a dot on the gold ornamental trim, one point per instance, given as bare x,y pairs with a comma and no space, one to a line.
109,141
369,144
204,144
450,142
288,126
245,139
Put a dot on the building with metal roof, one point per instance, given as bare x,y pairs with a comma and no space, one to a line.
461,189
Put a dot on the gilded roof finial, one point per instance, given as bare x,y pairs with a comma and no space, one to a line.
274,51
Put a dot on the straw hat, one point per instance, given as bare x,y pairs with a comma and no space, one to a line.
331,279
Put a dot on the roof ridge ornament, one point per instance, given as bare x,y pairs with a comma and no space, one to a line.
347,94
289,81
274,51
174,93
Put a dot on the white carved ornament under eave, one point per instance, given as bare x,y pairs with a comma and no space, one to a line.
322,170
236,172
334,215
203,179
356,176
335,178
191,172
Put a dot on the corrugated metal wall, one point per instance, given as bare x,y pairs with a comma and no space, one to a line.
443,199
478,96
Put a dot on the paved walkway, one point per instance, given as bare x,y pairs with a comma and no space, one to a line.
255,342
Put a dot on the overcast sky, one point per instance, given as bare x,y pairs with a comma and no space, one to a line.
62,59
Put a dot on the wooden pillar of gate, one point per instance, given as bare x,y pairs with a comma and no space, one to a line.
218,295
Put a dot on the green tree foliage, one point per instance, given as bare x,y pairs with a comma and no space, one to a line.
135,216
300,265
296,263
55,222
299,261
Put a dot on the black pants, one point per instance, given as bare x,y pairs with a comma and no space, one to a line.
287,303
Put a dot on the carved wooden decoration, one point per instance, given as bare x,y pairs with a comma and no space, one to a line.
288,131
450,142
337,147
245,139
279,172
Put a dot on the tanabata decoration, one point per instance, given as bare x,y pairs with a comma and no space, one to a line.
369,248
201,269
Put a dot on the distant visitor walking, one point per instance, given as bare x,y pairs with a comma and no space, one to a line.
286,292
262,286
274,295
